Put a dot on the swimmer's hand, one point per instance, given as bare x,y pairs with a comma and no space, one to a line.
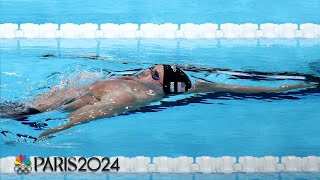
287,87
121,101
43,138
45,135
110,105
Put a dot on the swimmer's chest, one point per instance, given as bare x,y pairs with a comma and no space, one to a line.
144,92
103,87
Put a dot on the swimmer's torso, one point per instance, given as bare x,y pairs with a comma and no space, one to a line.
76,98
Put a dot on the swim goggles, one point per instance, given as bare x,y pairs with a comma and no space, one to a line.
155,75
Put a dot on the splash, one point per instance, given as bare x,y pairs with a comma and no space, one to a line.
70,79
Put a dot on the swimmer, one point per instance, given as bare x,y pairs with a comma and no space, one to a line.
109,97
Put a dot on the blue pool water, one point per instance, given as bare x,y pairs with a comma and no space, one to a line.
193,125
162,11
196,126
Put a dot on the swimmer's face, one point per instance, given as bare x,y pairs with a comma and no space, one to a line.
152,74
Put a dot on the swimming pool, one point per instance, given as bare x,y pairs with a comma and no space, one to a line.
193,125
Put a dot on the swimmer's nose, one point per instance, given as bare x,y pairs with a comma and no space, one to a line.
147,73
144,74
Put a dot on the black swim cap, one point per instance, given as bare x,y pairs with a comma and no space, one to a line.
175,81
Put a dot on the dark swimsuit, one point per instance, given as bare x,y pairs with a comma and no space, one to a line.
15,110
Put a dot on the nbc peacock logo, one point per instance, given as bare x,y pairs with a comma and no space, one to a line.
22,165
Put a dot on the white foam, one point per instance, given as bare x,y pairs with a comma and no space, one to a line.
166,30
292,163
248,30
268,164
19,34
191,30
230,30
3,165
150,30
128,30
311,164
88,30
225,164
182,164
287,30
7,164
310,30
209,30
207,164
111,30
249,164
48,30
270,30
163,164
140,164
8,30
69,30
30,30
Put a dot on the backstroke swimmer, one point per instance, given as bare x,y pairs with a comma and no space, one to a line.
109,97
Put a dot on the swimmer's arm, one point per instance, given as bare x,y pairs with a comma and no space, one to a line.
119,103
215,87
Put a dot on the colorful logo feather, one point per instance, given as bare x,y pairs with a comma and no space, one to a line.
22,159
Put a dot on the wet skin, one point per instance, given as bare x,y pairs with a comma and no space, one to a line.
109,97
142,86
103,98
